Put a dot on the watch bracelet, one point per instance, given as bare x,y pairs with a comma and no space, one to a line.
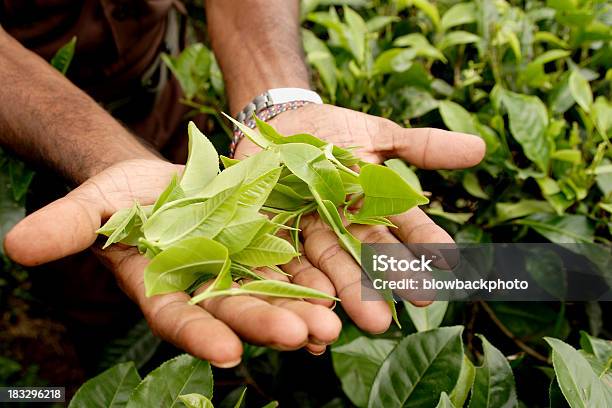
264,114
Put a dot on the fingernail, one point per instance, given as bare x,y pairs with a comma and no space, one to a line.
316,354
318,342
283,347
226,365
333,306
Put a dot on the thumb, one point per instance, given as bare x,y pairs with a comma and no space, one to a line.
62,228
429,148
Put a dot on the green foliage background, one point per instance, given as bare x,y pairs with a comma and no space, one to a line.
533,79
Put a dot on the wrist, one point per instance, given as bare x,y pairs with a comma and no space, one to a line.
244,91
269,105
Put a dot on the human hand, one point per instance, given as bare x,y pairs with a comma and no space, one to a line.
211,330
326,266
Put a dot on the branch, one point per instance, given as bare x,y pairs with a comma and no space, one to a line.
522,345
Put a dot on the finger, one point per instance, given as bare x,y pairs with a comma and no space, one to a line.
414,226
69,225
259,322
315,350
424,236
382,235
323,251
62,228
427,148
305,274
323,324
171,317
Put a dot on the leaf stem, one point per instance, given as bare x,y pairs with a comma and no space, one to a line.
522,345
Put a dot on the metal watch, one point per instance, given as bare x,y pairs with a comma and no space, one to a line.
275,97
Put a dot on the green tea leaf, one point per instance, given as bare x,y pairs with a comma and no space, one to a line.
445,402
600,348
253,136
202,164
344,156
271,287
464,383
581,90
400,167
567,155
386,193
244,172
309,164
117,221
369,221
395,60
351,183
179,266
285,198
240,271
555,396
172,192
547,269
494,382
429,9
602,115
459,14
204,219
456,38
419,369
267,131
318,54
427,317
420,45
138,345
459,218
377,23
267,287
228,162
164,385
546,36
528,122
254,194
63,57
356,364
472,185
110,389
298,186
196,401
193,68
456,118
329,213
223,280
240,231
355,33
265,250
124,226
522,208
561,228
241,399
579,384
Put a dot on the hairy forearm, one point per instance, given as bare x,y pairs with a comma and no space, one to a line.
45,118
258,46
